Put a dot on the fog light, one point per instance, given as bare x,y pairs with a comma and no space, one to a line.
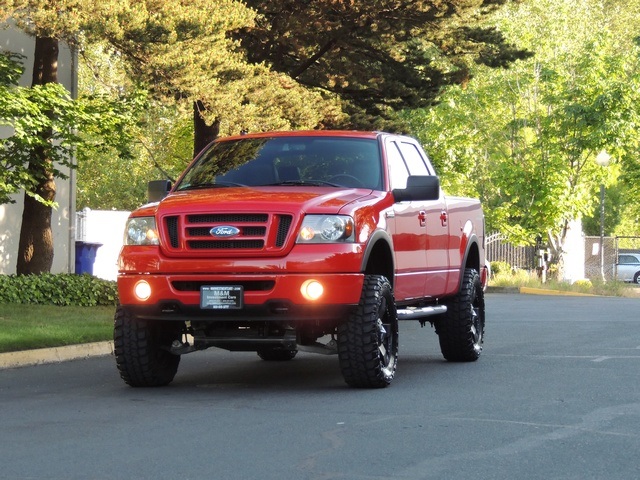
142,290
312,289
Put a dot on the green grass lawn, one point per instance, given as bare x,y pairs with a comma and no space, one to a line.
24,327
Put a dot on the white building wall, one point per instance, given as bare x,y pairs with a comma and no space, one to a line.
62,221
574,253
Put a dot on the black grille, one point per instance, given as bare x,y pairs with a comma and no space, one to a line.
255,231
247,285
224,244
244,231
199,232
283,229
172,228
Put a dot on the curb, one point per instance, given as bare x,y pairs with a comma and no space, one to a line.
43,356
503,289
538,291
542,291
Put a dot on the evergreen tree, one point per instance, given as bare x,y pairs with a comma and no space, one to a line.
182,51
378,57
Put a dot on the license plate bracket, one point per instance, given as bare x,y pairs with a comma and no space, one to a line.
221,297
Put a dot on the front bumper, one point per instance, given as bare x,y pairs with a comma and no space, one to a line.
265,297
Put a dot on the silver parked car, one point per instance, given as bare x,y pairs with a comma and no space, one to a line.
628,267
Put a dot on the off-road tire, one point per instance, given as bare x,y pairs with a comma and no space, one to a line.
140,348
461,330
276,354
368,340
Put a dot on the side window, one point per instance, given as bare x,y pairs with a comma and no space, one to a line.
398,172
415,162
627,260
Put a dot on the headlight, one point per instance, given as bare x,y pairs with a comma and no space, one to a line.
326,229
141,231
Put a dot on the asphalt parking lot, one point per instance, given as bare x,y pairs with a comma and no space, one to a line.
554,395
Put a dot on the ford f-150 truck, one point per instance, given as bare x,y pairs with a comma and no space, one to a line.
317,241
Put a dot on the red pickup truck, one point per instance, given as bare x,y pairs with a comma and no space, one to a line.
317,241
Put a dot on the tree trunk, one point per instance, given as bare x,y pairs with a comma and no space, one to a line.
203,134
556,245
35,249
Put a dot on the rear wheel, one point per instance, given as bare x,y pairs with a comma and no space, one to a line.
461,330
141,350
368,340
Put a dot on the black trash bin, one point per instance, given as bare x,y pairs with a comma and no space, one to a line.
86,256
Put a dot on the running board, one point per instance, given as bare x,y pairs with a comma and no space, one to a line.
421,312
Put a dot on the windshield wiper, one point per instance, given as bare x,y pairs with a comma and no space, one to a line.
308,183
218,184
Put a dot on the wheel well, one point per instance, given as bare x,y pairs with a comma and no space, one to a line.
473,257
380,261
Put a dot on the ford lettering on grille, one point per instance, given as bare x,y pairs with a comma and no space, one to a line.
224,231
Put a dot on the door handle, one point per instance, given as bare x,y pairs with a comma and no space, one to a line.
444,218
422,217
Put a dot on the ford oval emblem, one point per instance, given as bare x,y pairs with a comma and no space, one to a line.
224,231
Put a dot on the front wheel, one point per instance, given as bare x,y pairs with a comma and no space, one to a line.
636,278
368,340
141,350
461,330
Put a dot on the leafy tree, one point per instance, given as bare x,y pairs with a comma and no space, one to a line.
45,123
28,112
537,127
32,145
377,57
311,62
181,52
615,213
13,104
161,146
161,136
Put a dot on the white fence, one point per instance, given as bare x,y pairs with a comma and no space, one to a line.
525,257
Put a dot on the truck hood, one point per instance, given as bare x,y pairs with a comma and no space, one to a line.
293,200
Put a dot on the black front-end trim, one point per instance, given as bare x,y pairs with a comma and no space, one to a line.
273,310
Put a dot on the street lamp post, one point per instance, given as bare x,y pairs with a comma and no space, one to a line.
602,159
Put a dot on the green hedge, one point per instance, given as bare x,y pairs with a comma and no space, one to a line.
58,289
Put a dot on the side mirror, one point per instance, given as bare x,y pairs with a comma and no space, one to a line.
157,190
419,187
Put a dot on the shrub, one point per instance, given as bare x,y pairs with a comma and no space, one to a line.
500,267
514,278
58,289
583,285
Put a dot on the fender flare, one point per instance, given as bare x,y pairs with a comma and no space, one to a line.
469,242
377,236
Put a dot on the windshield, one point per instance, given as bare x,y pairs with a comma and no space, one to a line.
315,161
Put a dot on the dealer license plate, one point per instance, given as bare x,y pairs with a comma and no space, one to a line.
221,297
